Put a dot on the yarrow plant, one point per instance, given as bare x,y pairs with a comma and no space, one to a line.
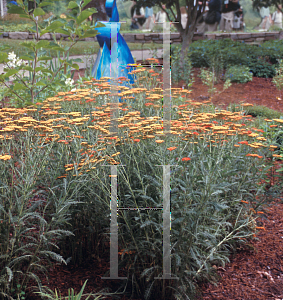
56,195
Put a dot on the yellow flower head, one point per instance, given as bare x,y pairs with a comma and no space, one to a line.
5,157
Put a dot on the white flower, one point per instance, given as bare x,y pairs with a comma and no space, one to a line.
19,62
14,61
73,90
12,56
11,65
69,82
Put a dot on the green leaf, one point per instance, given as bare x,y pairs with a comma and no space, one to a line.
29,45
16,10
3,56
18,86
27,68
10,73
53,26
44,4
47,71
99,24
33,29
93,10
81,291
72,4
40,83
63,61
78,2
86,2
26,57
63,31
54,46
83,16
75,66
42,44
44,58
25,16
38,12
39,69
90,33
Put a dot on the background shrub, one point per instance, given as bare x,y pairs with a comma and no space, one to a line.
261,60
240,74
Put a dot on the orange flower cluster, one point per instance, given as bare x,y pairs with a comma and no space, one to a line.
185,159
56,122
254,155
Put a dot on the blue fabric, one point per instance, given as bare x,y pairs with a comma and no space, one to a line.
148,12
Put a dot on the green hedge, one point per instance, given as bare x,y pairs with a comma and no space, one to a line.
261,60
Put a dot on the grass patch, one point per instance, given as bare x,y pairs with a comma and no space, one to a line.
81,48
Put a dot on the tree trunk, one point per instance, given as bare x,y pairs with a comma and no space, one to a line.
187,40
187,33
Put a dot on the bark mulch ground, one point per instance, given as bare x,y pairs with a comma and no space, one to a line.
255,273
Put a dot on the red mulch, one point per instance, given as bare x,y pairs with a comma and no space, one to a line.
259,91
254,272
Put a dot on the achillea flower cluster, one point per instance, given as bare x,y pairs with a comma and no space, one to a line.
5,157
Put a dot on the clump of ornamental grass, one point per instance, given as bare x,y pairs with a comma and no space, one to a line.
55,164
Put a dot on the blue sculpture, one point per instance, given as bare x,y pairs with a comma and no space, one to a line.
102,65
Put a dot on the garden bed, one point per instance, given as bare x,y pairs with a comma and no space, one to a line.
259,91
255,271
261,258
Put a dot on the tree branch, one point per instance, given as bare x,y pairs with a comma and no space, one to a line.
12,91
55,74
20,79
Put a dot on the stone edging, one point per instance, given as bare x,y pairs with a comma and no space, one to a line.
158,37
